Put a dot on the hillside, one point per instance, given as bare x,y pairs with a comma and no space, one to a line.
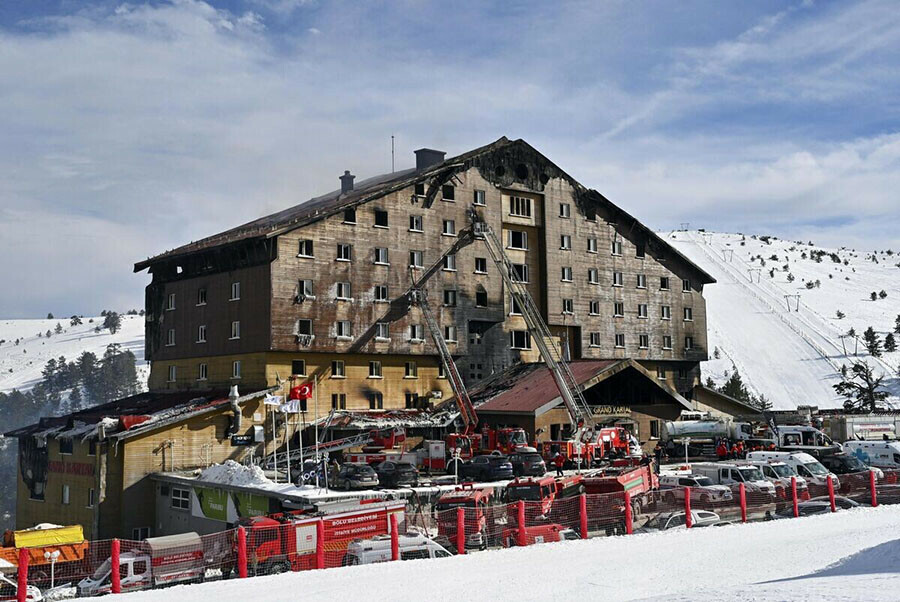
794,356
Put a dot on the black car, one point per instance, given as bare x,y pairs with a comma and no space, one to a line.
528,464
355,476
843,463
487,468
397,474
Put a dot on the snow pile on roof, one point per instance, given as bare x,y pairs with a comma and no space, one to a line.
232,473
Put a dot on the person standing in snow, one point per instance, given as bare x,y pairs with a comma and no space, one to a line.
559,460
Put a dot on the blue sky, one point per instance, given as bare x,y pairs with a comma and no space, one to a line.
130,128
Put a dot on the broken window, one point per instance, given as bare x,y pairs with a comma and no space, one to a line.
381,218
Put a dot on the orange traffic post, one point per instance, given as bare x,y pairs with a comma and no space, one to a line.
22,576
794,497
460,530
320,544
831,493
872,488
688,519
395,538
629,519
743,493
520,514
116,579
582,514
242,552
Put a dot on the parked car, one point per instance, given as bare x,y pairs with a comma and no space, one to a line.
803,464
528,464
413,546
487,468
809,508
356,476
702,488
397,474
665,521
839,501
845,463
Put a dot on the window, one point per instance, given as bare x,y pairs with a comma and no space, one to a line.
338,401
90,502
343,291
640,251
381,256
66,446
568,306
350,215
342,329
686,286
412,371
201,296
306,249
173,373
642,310
236,329
566,274
140,533
667,341
374,369
442,372
520,339
620,340
481,297
520,273
519,206
449,263
688,343
481,265
381,218
304,327
449,298
479,198
170,302
416,333
202,372
565,210
305,290
594,308
448,192
617,247
595,339
516,240
660,373
383,331
235,291
412,401
682,373
593,276
381,292
618,279
642,281
337,369
654,425
344,252
65,494
416,259
592,245
181,499
416,223
376,401
514,308
565,242
663,283
170,337
236,369
688,314
665,312
618,309
420,189
643,341
298,367
450,334
449,228
92,447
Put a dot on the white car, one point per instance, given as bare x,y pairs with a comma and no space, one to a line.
667,521
378,549
702,488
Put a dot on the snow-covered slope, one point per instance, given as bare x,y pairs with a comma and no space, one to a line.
792,356
21,365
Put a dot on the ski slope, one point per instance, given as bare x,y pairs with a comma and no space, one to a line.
852,555
776,332
21,365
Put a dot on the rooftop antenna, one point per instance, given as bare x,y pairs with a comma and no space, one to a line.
392,153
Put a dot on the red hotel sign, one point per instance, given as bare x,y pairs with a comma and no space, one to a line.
81,469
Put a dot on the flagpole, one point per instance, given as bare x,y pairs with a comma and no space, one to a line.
287,436
316,419
274,443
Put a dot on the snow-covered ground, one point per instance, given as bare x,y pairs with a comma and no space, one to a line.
21,365
792,357
851,555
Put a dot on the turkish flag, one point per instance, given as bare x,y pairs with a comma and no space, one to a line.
303,391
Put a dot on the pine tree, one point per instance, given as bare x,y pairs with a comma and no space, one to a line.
873,296
58,329
890,343
47,334
862,389
762,403
112,321
75,397
734,387
897,324
872,342
74,321
49,316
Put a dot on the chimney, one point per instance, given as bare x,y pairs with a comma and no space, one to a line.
426,157
347,182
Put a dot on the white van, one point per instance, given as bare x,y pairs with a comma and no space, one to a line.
803,464
378,549
780,473
731,474
884,454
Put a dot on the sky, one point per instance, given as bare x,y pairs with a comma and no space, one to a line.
127,129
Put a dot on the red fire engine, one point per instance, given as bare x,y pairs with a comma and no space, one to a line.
479,514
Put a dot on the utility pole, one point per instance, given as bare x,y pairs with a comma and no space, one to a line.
392,153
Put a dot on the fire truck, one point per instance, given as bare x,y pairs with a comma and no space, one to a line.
604,444
623,475
480,521
283,542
